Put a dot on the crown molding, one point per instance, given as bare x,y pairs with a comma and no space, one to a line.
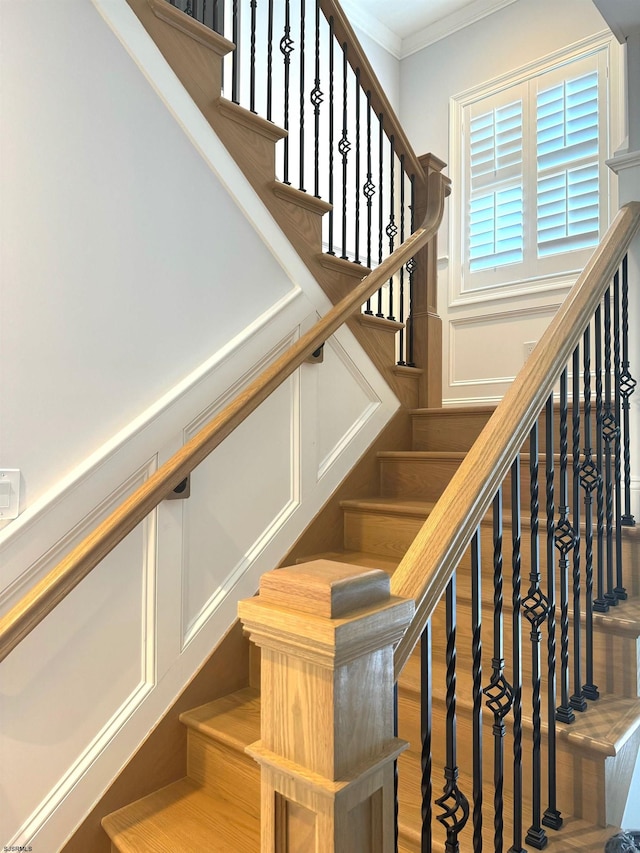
373,28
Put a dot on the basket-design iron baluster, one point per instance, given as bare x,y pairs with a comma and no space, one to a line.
516,624
380,312
476,651
589,479
392,229
600,605
357,171
316,97
330,215
620,591
535,607
454,804
499,692
609,432
426,718
552,818
401,315
369,190
578,702
564,542
627,387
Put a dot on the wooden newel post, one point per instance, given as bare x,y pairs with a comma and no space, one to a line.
327,632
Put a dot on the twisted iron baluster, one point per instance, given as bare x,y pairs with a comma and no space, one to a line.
235,61
517,658
401,348
620,591
454,804
303,23
476,650
600,605
564,544
286,49
380,312
411,267
392,229
499,693
589,479
426,717
270,61
357,171
369,190
396,718
331,134
627,387
252,57
535,607
552,818
316,97
578,702
344,146
609,432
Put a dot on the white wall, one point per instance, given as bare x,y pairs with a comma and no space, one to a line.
143,285
503,42
386,66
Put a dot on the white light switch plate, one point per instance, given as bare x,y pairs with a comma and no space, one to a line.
9,493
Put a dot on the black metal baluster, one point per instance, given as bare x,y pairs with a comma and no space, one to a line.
303,9
357,170
252,58
476,651
316,99
286,48
401,350
552,818
564,543
578,702
391,229
426,717
499,692
235,61
517,658
369,191
454,804
535,607
380,312
330,250
411,267
589,478
396,717
620,591
627,387
344,146
600,605
609,432
270,61
218,16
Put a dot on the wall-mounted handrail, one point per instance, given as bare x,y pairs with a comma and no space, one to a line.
426,568
59,582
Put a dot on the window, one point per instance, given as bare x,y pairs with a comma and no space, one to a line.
533,196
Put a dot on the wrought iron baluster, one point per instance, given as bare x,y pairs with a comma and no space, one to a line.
252,58
426,718
344,146
551,818
589,478
517,658
564,543
499,692
316,99
476,651
286,49
235,61
270,61
627,387
303,9
578,702
392,229
357,170
330,250
535,607
600,605
369,191
396,717
609,432
411,267
454,804
620,591
380,312
218,16
401,315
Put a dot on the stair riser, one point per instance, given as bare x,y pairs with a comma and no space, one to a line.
224,771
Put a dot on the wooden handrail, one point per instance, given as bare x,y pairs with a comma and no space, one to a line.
426,568
369,82
59,582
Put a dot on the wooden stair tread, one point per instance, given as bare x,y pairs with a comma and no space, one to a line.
393,506
182,818
455,410
233,719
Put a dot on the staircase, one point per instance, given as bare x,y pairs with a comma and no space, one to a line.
216,806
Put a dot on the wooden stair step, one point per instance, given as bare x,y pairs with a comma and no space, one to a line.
233,720
182,818
449,429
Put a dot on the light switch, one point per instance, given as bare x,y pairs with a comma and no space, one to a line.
9,493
